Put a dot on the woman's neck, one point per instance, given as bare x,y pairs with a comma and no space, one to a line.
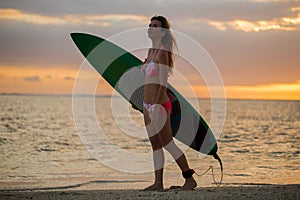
156,44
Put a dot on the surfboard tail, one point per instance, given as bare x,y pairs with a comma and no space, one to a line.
216,156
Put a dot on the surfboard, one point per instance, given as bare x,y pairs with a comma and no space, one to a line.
121,69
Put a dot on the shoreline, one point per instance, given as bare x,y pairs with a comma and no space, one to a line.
264,191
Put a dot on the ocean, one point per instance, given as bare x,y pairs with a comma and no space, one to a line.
41,148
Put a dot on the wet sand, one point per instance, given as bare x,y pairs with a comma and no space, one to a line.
226,192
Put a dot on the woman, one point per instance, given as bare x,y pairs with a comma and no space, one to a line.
157,105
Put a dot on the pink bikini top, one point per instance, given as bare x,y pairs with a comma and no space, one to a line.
149,69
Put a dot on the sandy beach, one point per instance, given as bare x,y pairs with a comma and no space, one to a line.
225,192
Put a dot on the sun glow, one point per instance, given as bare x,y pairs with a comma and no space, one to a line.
37,80
34,80
274,91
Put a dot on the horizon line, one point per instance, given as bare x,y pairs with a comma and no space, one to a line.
107,95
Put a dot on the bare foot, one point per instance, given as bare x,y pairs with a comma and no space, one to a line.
154,187
175,187
189,184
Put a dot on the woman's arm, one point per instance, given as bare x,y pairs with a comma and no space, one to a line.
163,72
148,53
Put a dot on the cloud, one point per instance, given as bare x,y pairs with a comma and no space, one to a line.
291,22
68,78
272,0
92,20
174,9
36,33
17,15
283,24
248,16
295,9
286,23
32,78
49,76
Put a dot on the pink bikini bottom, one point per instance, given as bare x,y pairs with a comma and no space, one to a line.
149,107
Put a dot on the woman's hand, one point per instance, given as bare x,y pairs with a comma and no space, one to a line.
134,107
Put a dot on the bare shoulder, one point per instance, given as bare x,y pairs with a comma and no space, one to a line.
163,57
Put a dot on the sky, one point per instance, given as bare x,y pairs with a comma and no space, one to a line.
254,43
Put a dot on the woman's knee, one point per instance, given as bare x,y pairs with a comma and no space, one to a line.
155,143
170,146
173,149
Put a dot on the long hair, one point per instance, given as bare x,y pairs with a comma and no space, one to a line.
168,39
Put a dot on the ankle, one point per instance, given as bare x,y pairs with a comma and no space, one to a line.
158,183
188,174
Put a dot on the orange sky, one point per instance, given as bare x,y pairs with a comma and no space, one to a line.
61,81
257,53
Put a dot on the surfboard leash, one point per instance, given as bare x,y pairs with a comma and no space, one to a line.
216,156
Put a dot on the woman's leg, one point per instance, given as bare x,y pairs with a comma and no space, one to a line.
158,155
166,140
158,159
